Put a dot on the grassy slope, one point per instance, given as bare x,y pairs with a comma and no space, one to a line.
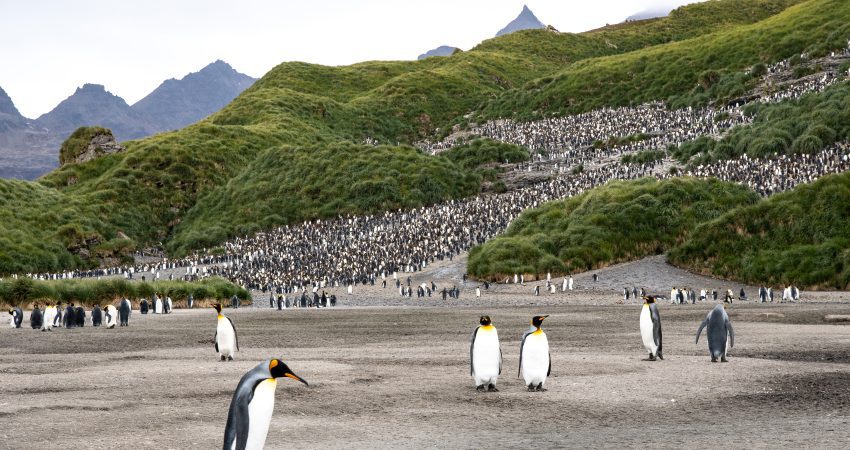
148,191
800,236
673,69
620,221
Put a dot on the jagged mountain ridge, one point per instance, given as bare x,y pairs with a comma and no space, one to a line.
526,20
30,148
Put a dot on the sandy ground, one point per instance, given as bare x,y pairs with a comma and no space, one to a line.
399,376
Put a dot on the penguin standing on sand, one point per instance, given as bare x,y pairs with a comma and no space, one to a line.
718,328
111,316
650,328
70,316
17,317
36,318
57,317
80,316
252,405
190,301
49,318
143,306
535,362
485,356
124,310
226,340
96,316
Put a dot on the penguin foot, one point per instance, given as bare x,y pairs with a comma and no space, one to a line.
492,388
530,388
723,359
480,388
230,358
650,358
540,388
223,358
660,357
713,359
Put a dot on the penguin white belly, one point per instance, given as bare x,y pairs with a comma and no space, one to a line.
260,414
157,309
485,357
12,322
647,330
225,338
49,317
535,358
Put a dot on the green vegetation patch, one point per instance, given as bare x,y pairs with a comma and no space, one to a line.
78,141
617,222
799,237
26,291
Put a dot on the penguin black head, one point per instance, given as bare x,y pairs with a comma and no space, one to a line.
217,307
648,299
538,320
279,369
485,320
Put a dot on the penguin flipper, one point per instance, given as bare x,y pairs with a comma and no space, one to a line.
500,359
215,339
521,345
235,335
731,332
549,372
471,350
701,326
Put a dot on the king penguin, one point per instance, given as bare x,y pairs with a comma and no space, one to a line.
17,317
96,316
252,406
124,310
49,317
650,328
719,327
535,362
485,356
111,316
36,318
226,340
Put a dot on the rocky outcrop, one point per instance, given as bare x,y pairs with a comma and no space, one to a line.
88,143
443,50
526,20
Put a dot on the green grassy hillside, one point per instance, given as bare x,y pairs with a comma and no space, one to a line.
801,236
179,188
806,125
662,71
620,221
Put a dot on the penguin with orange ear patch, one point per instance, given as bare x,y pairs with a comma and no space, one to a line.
226,340
253,404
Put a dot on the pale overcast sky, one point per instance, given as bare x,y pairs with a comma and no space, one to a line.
50,47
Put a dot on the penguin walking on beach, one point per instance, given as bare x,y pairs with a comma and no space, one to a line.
49,318
96,316
226,340
650,328
124,310
57,316
36,318
70,318
17,317
535,362
251,408
718,328
111,316
485,356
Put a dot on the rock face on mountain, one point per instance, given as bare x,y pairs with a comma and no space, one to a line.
526,20
86,144
28,148
177,103
92,104
651,13
443,50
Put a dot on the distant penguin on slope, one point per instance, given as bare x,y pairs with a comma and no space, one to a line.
485,356
111,316
124,310
17,317
226,340
49,318
252,405
96,316
36,318
718,329
650,328
535,362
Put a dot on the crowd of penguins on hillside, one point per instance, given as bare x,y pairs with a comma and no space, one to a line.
374,249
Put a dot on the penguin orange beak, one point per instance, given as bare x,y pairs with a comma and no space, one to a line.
295,377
